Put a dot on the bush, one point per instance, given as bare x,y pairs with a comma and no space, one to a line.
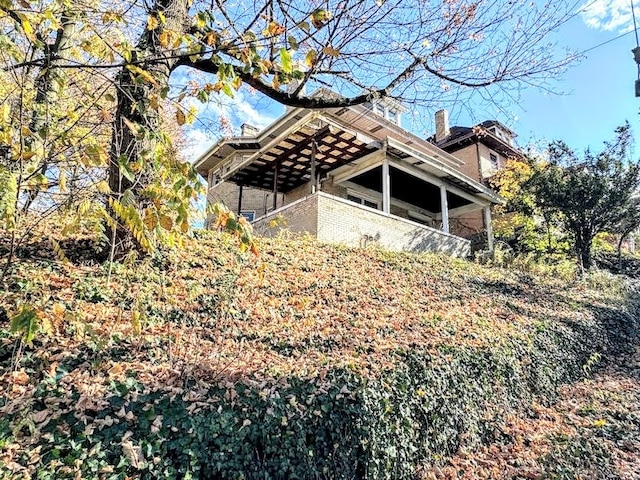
342,426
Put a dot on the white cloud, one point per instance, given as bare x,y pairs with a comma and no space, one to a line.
242,108
608,15
197,142
223,116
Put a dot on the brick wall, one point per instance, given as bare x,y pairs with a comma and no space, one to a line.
340,221
299,216
477,161
297,193
335,220
253,199
471,167
329,187
467,224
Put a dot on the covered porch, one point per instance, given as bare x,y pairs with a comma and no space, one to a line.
352,159
333,219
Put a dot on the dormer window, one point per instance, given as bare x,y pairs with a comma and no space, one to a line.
502,135
389,110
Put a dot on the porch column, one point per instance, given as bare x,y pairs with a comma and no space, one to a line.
386,186
239,199
487,222
312,179
275,184
444,207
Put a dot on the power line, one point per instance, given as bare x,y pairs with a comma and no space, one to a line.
635,27
604,43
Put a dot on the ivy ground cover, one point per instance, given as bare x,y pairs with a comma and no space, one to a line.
310,361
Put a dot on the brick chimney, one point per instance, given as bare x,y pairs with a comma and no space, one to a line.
442,125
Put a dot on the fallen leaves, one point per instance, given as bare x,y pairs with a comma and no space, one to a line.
559,438
207,315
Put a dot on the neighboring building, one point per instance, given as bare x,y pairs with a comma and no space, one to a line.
349,175
484,149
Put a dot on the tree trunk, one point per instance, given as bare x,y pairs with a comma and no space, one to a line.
46,96
583,248
136,119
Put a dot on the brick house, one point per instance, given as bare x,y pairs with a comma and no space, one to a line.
349,175
484,149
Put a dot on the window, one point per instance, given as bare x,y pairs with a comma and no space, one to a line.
365,200
493,158
250,215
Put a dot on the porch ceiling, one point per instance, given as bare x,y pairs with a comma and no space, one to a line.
409,189
292,155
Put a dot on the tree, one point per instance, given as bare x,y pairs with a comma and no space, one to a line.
520,222
591,194
364,49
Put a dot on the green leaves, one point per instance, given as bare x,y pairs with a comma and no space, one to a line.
26,322
320,16
285,60
589,194
239,227
8,197
125,169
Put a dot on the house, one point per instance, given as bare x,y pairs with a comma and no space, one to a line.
484,149
348,175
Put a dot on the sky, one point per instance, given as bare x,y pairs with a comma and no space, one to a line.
592,98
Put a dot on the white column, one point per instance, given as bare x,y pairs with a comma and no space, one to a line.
386,186
487,222
444,207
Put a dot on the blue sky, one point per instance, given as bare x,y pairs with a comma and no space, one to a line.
593,97
597,94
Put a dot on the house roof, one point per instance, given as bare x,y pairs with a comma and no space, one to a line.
341,136
461,137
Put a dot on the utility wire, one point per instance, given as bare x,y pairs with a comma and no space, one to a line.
603,43
635,27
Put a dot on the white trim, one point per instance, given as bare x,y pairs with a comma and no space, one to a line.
438,182
446,170
487,220
444,209
386,186
394,201
472,207
420,216
362,165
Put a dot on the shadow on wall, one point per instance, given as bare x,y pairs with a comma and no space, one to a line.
424,240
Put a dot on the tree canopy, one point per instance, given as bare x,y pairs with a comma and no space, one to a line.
584,194
86,97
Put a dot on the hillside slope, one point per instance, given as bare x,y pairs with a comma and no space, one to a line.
311,361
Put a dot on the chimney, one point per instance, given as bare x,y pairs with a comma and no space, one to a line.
442,125
247,130
291,87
